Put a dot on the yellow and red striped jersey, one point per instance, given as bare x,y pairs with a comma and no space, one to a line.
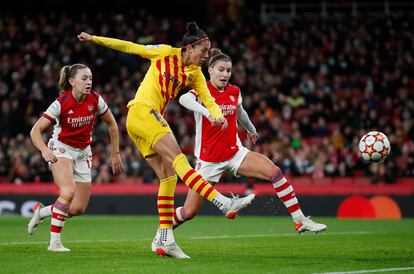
166,76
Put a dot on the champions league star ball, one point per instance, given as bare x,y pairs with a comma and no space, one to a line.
374,146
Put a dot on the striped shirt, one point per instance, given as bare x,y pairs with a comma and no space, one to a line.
166,77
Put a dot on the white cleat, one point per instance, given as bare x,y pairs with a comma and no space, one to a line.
171,250
35,220
237,204
57,246
308,225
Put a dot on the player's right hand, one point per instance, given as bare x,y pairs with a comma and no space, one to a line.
49,156
84,36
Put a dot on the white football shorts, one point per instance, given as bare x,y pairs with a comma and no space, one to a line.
81,158
212,171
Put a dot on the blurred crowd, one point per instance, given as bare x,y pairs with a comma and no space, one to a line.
312,87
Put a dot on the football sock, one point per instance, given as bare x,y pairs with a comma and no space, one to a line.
165,201
180,216
59,215
195,181
46,211
286,194
166,236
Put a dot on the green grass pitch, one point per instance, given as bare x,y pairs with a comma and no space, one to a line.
121,244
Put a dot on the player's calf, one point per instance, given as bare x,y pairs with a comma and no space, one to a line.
182,215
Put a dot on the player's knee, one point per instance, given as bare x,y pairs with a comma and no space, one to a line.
77,210
68,193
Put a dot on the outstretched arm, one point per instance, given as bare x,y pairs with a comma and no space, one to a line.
189,101
116,161
146,51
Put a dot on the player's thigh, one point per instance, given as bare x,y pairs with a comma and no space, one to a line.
256,165
168,147
146,126
63,176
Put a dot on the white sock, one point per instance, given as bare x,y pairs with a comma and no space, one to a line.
166,235
45,211
222,202
55,237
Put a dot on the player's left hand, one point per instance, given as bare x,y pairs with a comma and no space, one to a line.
116,164
222,121
252,137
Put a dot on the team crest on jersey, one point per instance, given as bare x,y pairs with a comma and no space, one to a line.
90,108
232,98
190,78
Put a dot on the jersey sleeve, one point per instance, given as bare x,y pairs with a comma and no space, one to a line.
240,100
53,111
191,101
102,106
145,51
200,87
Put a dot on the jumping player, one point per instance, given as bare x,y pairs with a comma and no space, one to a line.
171,71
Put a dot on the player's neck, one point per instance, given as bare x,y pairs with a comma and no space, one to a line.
218,87
78,97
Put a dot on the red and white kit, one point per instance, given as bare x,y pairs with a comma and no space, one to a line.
72,133
217,150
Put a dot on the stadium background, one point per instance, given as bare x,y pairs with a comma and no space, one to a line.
314,77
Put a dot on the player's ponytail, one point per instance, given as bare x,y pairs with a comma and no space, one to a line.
194,35
66,73
216,55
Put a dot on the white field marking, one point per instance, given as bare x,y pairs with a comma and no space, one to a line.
371,270
194,238
274,235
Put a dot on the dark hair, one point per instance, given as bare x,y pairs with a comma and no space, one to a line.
66,73
216,55
194,35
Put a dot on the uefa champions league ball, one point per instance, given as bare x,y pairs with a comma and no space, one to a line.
374,146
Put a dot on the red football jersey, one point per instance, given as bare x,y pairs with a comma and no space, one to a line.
74,121
213,144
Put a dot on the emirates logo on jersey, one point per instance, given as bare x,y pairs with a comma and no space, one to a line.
80,121
227,109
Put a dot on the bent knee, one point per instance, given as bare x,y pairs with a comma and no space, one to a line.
76,211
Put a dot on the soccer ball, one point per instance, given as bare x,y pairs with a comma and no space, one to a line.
374,146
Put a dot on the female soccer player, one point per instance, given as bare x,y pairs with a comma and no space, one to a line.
218,151
171,70
68,152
